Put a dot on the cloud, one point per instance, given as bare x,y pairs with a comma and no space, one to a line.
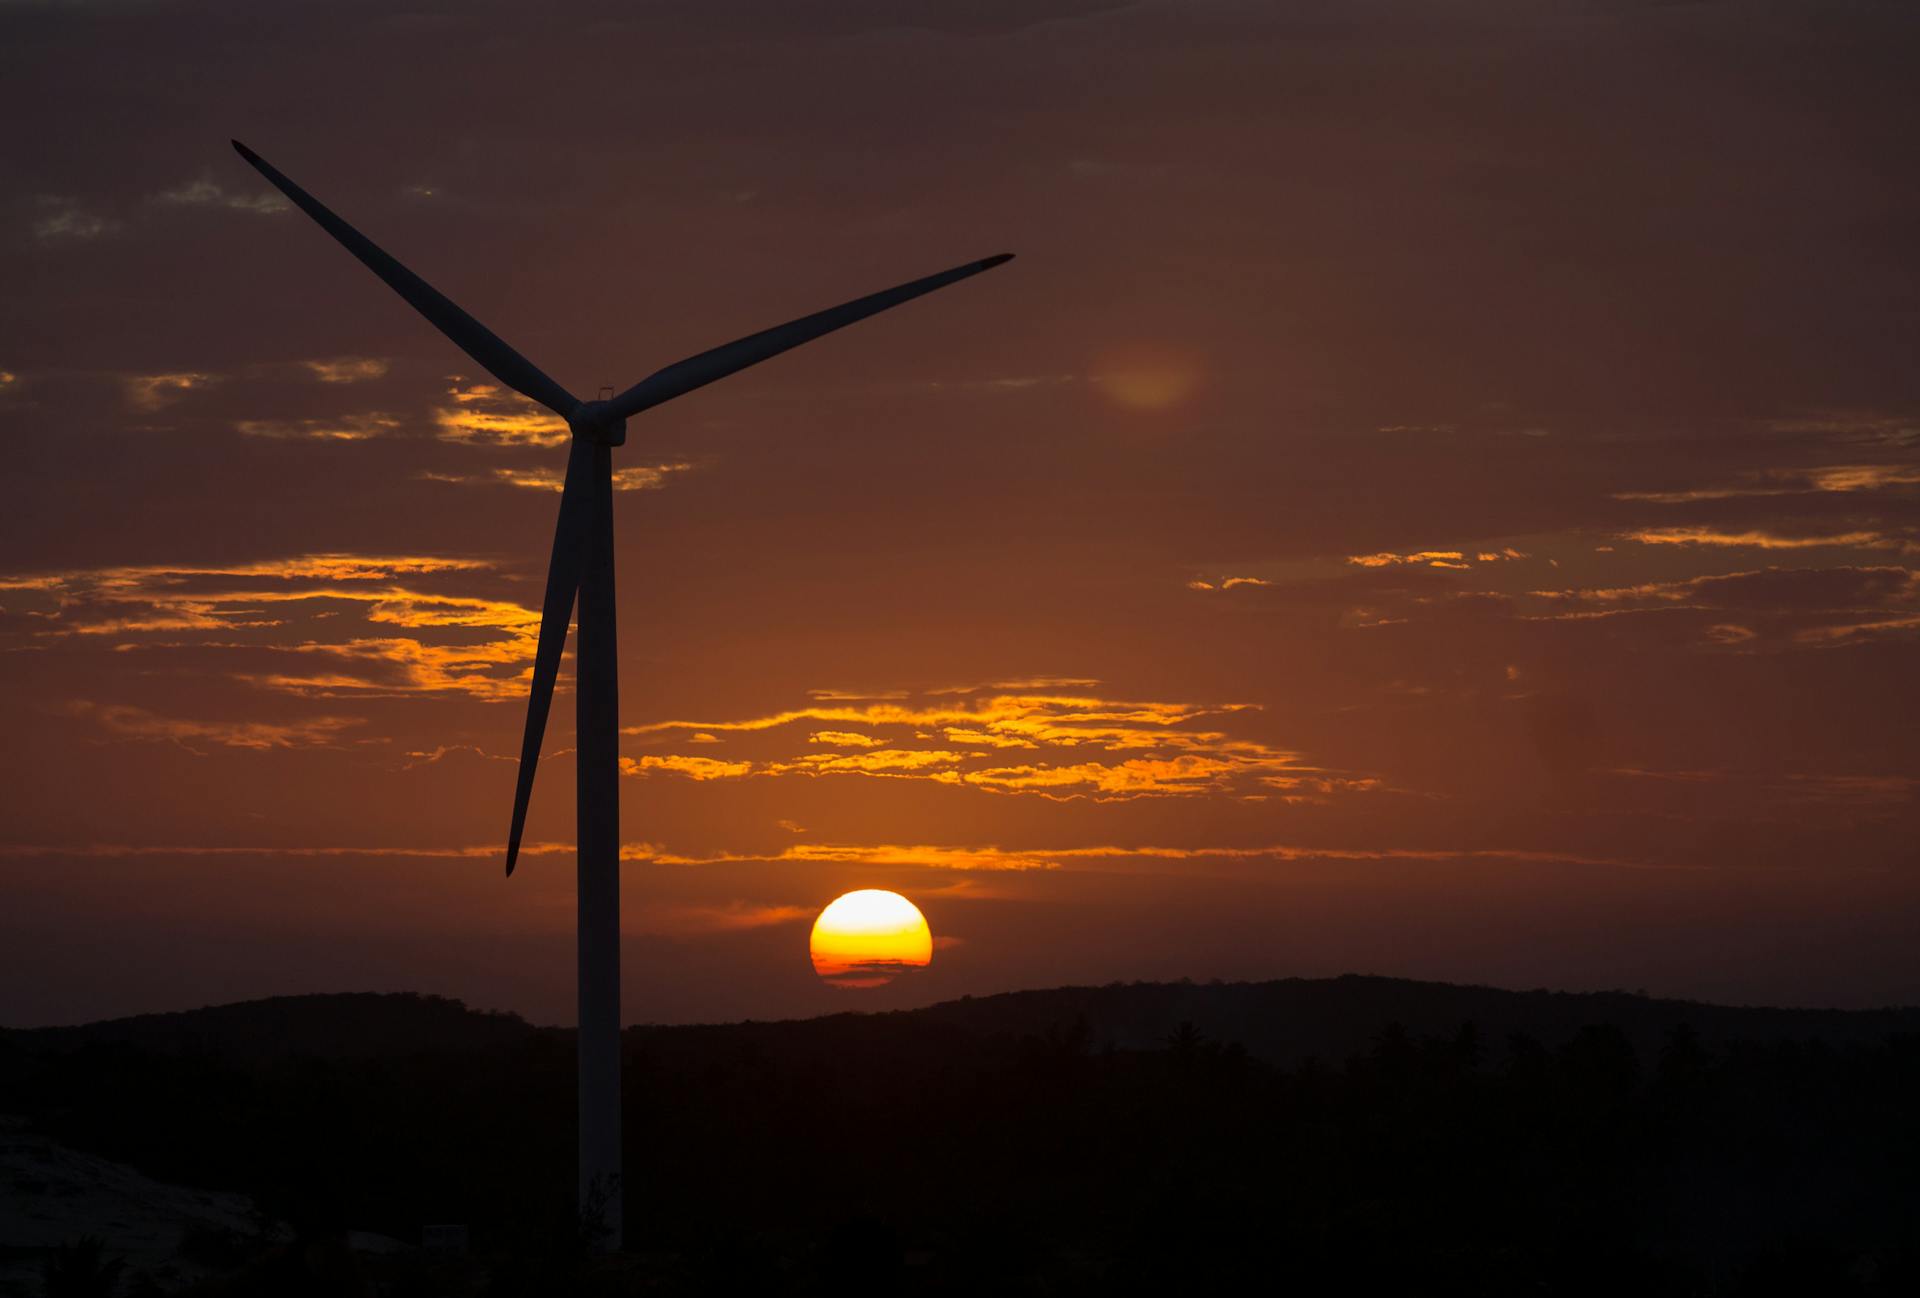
639,477
1020,683
348,369
260,736
960,739
663,920
982,859
1431,558
488,414
1781,608
439,753
294,613
1763,589
1835,479
63,220
1135,777
923,763
150,392
205,193
1856,792
341,428
1761,539
1854,632
1459,560
840,738
996,859
694,768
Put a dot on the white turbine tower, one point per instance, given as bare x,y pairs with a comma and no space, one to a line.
583,562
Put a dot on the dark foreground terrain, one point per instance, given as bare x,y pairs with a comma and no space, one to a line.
1348,1135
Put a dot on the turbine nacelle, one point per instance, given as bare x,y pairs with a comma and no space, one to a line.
596,422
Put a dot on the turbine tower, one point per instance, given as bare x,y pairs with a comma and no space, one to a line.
582,563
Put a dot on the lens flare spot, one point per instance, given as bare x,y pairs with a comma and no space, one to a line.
1146,378
868,938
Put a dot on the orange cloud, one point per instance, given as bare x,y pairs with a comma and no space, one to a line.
1762,540
1162,753
487,413
926,763
305,594
1453,559
638,477
1389,558
1854,631
961,858
1834,478
694,768
261,736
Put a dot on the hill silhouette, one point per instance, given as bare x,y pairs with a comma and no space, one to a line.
343,1025
1290,1020
1284,1021
1353,1132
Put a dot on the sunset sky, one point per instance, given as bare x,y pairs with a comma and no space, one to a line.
1438,494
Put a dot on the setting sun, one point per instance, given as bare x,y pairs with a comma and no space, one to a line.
869,937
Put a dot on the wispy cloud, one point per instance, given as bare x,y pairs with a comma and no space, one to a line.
59,219
348,369
1456,559
1760,608
1836,478
1859,792
841,739
960,858
1426,558
639,477
151,392
341,428
203,192
694,768
993,858
1071,746
1762,539
138,723
405,639
488,413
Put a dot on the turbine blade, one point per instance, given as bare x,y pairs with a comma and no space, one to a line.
472,337
697,371
570,535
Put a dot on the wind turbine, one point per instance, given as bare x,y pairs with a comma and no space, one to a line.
583,562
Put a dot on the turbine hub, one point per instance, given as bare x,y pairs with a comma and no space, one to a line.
596,422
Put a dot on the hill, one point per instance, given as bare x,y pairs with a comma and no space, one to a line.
1284,1022
1354,1133
346,1025
1290,1020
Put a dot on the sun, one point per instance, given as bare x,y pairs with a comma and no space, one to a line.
868,938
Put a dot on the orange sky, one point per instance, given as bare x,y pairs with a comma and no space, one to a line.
1435,496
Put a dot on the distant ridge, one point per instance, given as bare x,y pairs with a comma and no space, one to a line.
1283,1021
1288,1020
336,1025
